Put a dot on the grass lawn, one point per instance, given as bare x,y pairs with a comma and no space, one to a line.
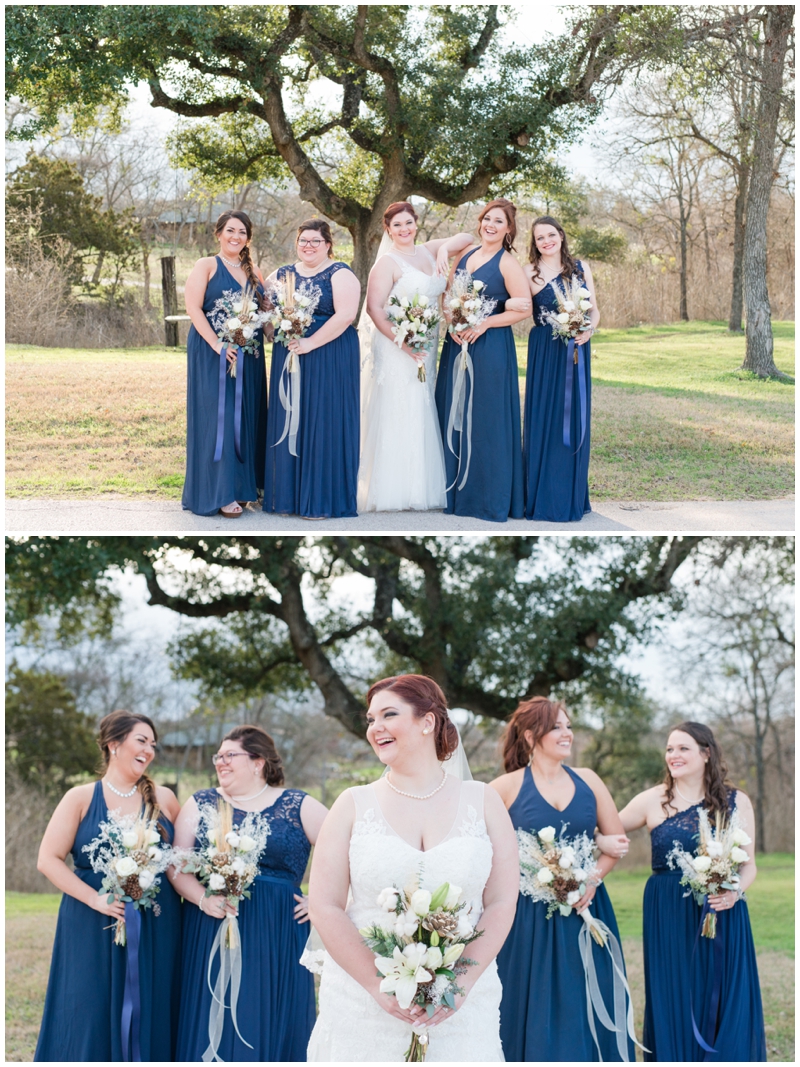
672,418
31,922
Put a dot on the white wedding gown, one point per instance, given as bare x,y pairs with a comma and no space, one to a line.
402,459
351,1025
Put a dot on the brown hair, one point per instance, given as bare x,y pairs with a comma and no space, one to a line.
322,227
538,715
715,774
397,209
259,745
569,266
510,212
424,696
114,729
244,255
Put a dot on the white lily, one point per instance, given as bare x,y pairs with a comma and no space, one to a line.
403,972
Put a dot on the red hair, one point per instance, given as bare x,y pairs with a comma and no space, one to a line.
425,697
538,715
510,212
396,209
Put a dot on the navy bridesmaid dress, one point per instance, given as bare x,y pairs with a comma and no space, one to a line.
275,1010
83,1009
556,475
680,979
321,481
494,488
210,486
543,1013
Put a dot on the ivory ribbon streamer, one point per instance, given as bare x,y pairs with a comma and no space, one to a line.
289,394
621,992
229,945
462,370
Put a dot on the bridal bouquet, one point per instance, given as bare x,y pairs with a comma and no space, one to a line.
714,865
415,322
236,318
557,871
572,316
466,305
130,853
419,950
293,307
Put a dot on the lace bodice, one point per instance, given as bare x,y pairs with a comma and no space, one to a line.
679,828
288,848
379,857
413,280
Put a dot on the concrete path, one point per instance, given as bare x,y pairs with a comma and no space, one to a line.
116,514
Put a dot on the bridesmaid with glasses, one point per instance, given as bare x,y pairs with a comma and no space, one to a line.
275,1009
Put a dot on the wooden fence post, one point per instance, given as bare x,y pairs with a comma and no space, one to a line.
169,293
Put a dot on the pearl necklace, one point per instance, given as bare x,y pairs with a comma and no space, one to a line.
415,796
402,253
228,263
241,800
119,792
680,794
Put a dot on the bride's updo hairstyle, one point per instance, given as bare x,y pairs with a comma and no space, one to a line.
397,209
424,696
113,730
510,212
258,744
538,715
569,268
322,228
715,780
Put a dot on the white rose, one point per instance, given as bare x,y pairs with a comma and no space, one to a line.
701,863
544,876
233,324
237,307
547,834
573,897
248,331
286,325
421,902
738,855
216,881
432,959
130,839
146,879
453,896
563,317
583,291
585,305
714,849
126,867
246,843
405,302
566,859
153,837
455,302
423,301
232,838
238,865
387,899
739,837
303,301
212,836
477,286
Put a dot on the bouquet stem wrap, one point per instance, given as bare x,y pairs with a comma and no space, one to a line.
712,1006
289,394
229,945
574,356
237,404
418,1049
622,1023
131,998
462,370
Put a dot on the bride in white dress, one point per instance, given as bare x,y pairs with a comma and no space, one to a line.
417,822
402,459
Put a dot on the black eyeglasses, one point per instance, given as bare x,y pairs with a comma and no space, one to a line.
225,757
316,242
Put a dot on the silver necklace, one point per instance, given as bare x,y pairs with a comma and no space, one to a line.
680,794
415,796
541,772
119,792
253,797
228,263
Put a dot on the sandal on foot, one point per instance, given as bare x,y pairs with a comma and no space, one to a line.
228,514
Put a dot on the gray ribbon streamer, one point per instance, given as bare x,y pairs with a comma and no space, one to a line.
621,992
229,945
462,370
289,395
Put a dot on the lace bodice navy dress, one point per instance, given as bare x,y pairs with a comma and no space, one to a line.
321,480
494,486
209,484
717,979
82,1019
275,1009
556,474
543,1014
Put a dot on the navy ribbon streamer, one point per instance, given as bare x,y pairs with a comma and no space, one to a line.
237,404
131,997
568,393
712,1006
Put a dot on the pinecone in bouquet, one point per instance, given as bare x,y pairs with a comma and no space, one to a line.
443,923
132,888
221,859
562,887
233,884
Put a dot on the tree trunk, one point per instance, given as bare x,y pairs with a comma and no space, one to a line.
101,256
146,275
759,350
737,292
684,311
